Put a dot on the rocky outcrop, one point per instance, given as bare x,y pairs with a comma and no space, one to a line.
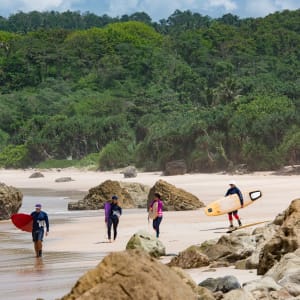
36,175
130,172
10,201
175,167
98,195
229,248
130,275
174,198
143,240
138,193
222,284
192,257
287,272
286,239
64,179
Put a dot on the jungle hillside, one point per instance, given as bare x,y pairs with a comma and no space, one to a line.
77,88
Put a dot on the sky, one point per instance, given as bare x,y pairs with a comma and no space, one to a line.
156,9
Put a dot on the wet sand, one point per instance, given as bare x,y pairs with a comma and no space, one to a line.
77,239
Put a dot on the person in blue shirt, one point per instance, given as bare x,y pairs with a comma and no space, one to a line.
231,191
40,225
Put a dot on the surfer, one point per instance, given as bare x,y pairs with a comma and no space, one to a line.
156,212
39,224
113,219
231,191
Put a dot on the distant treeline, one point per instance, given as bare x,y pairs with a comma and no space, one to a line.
127,90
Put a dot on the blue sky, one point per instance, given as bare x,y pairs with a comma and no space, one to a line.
156,9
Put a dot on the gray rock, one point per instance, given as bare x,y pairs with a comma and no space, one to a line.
10,201
36,175
64,179
223,284
130,172
143,240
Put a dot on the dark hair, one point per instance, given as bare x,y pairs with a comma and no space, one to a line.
114,197
157,195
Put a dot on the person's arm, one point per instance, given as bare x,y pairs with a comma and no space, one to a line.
241,197
120,210
227,193
47,223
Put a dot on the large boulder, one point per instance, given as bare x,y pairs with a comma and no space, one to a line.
192,257
130,172
98,195
175,167
145,241
174,198
10,201
130,275
223,284
286,239
138,192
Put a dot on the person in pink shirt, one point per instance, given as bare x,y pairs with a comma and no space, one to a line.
156,208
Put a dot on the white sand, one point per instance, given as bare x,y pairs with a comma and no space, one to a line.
178,229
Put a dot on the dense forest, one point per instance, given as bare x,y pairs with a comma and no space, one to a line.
79,88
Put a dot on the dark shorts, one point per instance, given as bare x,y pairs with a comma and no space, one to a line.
38,235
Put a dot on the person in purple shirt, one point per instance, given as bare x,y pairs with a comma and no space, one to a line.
107,210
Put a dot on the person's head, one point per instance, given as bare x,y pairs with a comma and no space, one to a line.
38,207
156,196
114,198
232,183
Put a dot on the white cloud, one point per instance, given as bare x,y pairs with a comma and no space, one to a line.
40,5
228,5
260,8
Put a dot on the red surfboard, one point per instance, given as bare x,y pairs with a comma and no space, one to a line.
22,221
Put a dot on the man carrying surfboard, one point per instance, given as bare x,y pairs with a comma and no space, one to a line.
231,191
156,212
39,224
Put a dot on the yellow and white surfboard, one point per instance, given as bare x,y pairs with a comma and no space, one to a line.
230,203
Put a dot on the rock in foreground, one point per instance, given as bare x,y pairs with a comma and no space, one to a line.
143,240
10,201
130,275
286,239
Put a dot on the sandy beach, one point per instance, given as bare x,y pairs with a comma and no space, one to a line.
77,240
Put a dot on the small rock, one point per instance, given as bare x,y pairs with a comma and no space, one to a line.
36,175
64,179
130,172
